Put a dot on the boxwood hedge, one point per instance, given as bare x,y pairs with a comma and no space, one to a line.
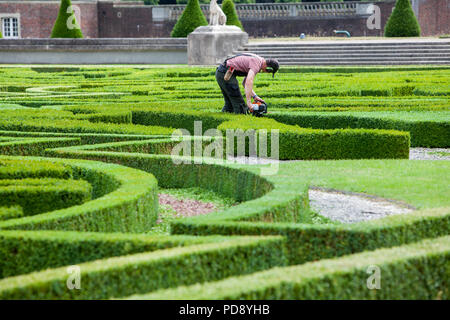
415,271
23,252
124,200
36,196
424,133
283,200
160,269
132,125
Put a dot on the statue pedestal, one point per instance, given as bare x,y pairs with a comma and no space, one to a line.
210,45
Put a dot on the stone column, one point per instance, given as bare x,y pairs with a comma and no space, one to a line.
210,45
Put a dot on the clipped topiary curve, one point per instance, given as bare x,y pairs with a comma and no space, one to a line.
124,199
230,11
282,209
402,22
275,208
191,18
270,206
66,25
342,278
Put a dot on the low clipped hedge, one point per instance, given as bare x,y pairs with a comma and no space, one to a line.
80,126
309,144
36,196
306,242
415,271
160,269
283,202
124,200
424,133
112,116
85,138
238,184
181,119
34,146
338,144
275,206
295,142
13,168
10,212
261,200
23,252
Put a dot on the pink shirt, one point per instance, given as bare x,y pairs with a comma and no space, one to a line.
246,63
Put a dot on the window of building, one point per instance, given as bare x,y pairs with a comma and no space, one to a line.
10,27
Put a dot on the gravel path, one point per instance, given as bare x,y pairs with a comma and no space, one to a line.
428,154
186,207
349,207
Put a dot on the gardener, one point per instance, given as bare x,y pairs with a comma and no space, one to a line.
246,65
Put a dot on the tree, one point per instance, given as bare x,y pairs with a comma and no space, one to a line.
1,35
402,22
66,25
191,18
230,11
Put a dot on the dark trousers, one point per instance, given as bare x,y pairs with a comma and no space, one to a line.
234,102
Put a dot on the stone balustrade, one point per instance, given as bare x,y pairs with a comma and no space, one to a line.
261,11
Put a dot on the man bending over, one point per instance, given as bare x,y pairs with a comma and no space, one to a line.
244,65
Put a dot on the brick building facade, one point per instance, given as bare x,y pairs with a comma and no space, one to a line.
36,18
107,19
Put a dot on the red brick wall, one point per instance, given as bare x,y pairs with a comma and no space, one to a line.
434,17
37,18
129,22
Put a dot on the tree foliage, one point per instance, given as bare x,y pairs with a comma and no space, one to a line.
191,18
402,22
230,11
66,25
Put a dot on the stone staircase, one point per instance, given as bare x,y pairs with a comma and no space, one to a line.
354,52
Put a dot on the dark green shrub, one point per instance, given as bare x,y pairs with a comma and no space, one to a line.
62,28
310,144
424,133
191,18
20,169
124,199
230,11
422,265
78,126
10,212
35,146
402,22
36,196
160,269
23,252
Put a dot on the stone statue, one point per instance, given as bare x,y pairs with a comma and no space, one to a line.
216,15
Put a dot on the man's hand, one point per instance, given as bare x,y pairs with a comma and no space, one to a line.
258,99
